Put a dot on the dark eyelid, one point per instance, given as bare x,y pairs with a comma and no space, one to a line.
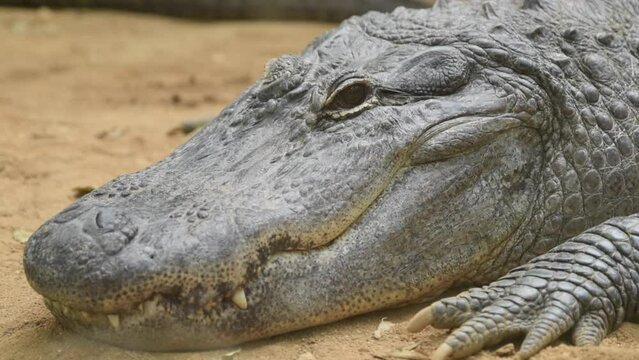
347,83
343,79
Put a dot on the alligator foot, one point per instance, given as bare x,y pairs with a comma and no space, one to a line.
584,285
484,319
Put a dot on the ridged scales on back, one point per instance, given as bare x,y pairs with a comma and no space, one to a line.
400,155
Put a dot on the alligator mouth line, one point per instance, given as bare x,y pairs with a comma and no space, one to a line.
157,305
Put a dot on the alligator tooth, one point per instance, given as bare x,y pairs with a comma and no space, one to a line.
114,320
239,299
146,307
150,307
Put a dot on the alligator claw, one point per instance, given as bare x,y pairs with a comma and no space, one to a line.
453,311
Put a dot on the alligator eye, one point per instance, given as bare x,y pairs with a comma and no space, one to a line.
349,96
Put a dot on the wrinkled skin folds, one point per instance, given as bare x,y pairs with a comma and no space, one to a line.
400,155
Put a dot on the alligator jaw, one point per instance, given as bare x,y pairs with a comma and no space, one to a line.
299,289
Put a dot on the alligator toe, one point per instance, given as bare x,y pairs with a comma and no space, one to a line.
453,311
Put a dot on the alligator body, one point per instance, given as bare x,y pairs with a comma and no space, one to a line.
326,10
398,156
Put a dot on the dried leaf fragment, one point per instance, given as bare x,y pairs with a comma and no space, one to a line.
231,355
80,191
383,327
21,235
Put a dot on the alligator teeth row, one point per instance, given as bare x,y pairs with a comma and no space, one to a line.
113,319
147,309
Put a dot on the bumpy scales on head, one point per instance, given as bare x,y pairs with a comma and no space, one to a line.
398,156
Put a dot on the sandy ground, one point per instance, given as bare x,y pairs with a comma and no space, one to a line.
86,96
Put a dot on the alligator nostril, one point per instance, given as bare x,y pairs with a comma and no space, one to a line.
111,229
98,220
111,219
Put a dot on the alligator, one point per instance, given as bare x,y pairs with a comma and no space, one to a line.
399,156
325,10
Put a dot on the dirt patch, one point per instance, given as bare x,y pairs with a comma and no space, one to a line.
86,96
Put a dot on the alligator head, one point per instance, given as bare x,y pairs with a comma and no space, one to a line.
386,163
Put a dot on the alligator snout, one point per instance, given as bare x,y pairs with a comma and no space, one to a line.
111,254
73,250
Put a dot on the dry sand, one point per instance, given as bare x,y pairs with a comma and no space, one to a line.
86,96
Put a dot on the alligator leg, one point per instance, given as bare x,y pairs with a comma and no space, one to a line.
588,285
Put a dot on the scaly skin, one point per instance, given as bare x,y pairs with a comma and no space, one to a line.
398,156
